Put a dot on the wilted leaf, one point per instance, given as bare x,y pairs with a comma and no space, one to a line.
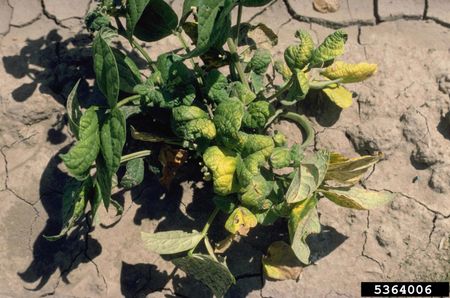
357,198
240,221
281,263
339,95
223,245
349,171
332,47
298,56
308,177
303,221
73,205
213,274
73,110
349,73
171,159
171,242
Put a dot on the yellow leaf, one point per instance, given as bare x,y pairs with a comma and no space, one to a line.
281,262
240,221
348,72
223,166
357,198
339,95
349,171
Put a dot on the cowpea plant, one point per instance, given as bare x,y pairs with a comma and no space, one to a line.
212,100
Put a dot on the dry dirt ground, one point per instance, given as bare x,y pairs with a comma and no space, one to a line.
404,111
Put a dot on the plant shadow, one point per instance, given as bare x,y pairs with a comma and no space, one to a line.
65,254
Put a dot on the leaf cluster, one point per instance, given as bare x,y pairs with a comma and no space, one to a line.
213,101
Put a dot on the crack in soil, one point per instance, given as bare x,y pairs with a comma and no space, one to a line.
363,253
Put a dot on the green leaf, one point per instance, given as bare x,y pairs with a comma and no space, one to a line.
213,17
300,86
303,221
216,85
339,95
171,242
332,47
106,71
192,123
308,177
257,81
103,178
257,114
74,203
224,203
298,56
129,74
240,221
150,20
112,139
242,92
81,156
213,274
187,6
255,193
281,263
260,61
254,3
134,174
73,110
227,119
357,198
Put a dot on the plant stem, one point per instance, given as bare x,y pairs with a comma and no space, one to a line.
209,248
273,117
238,24
144,53
317,85
237,63
304,124
128,99
280,91
188,50
135,155
206,227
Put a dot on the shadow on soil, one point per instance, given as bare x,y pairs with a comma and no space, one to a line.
55,65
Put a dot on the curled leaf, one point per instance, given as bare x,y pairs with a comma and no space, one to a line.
298,56
222,164
171,159
357,198
281,263
348,72
332,47
257,114
349,171
303,221
240,221
260,61
339,95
